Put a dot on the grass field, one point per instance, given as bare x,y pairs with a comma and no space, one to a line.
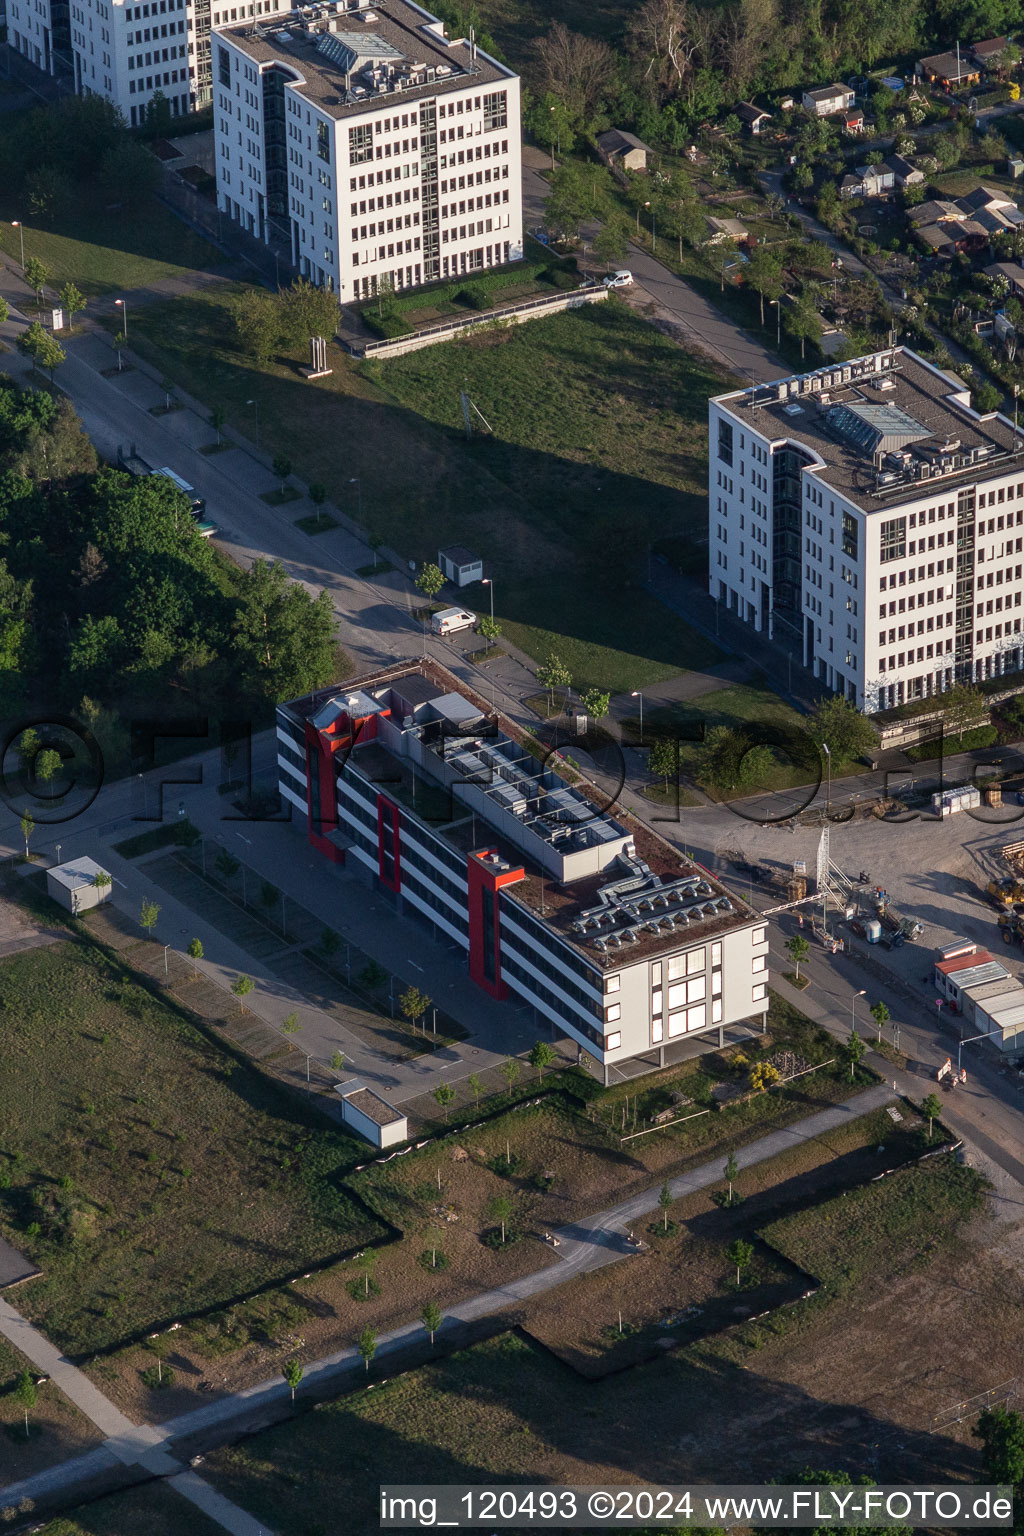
598,447
752,707
147,1172
56,1428
106,253
507,1411
154,1509
898,1222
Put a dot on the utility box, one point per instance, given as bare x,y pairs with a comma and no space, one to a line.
370,1116
74,884
460,565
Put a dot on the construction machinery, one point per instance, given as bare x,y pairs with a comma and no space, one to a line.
1005,892
1011,924
896,930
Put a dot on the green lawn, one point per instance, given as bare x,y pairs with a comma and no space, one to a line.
891,1225
154,1509
106,253
505,1411
598,447
148,1172
751,706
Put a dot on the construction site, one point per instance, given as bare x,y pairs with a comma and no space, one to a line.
948,886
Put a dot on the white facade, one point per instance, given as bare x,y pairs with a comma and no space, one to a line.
413,177
128,52
865,580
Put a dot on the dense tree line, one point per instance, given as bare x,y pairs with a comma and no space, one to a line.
79,146
685,60
112,602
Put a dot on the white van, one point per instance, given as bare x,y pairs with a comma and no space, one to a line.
450,620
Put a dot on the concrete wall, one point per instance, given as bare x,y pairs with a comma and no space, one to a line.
533,309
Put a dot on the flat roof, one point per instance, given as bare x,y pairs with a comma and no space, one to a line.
368,1103
840,412
458,554
76,872
351,58
649,900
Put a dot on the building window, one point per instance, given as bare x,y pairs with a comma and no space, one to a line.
612,1042
758,935
716,954
758,993
716,1010
893,545
611,983
223,65
759,963
657,1032
495,110
849,535
725,441
613,1013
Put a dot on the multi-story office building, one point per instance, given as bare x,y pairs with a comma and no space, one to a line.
129,51
611,935
865,514
388,153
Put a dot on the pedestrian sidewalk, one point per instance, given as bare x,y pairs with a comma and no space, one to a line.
132,1445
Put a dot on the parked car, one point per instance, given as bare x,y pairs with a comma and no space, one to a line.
450,620
621,279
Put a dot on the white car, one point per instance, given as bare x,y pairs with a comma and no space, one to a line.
621,279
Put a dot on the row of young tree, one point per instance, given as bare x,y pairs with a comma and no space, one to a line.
108,592
682,61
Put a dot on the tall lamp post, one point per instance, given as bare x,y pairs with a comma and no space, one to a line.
636,694
778,321
355,480
19,226
121,305
489,584
853,1004
256,407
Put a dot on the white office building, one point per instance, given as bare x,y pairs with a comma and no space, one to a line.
865,514
128,52
386,152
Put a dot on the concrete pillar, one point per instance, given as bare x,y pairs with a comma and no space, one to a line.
661,1055
604,1069
721,1034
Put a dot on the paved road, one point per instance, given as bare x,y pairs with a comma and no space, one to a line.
583,1246
674,300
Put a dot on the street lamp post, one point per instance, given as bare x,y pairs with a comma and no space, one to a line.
853,1004
778,321
636,694
19,226
828,801
355,480
256,407
489,584
120,304
828,779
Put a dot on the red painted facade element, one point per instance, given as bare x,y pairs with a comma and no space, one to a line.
323,751
388,823
321,804
485,880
